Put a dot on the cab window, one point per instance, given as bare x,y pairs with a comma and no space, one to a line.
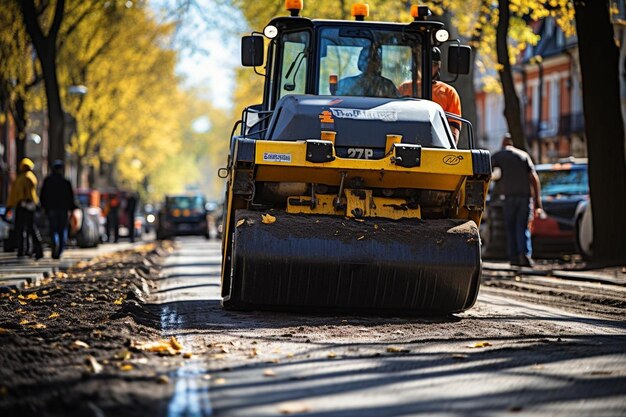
293,70
353,61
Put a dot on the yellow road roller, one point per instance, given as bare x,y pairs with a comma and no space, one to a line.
343,194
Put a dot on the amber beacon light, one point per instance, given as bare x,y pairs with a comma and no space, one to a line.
360,11
294,6
332,83
420,12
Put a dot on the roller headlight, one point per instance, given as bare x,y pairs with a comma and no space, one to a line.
442,35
